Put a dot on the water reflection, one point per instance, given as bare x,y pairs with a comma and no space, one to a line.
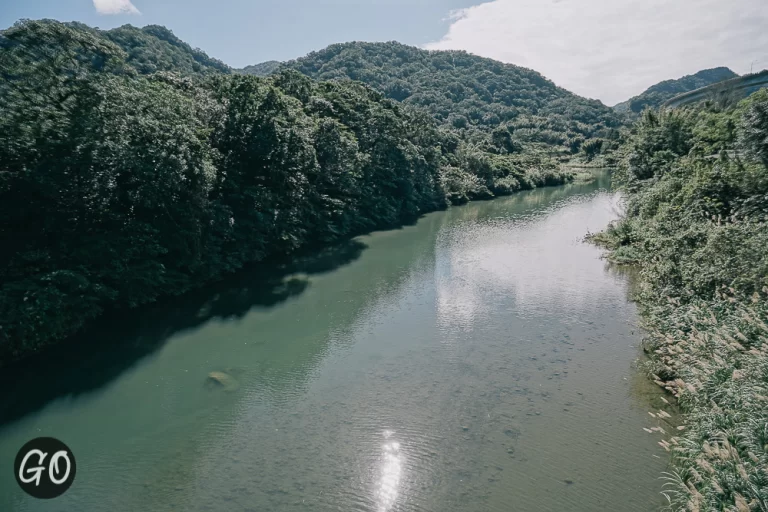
391,473
111,346
512,417
525,259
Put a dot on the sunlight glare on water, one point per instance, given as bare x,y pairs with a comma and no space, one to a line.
391,472
478,361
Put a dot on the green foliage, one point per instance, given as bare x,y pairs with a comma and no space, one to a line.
506,121
502,141
261,69
697,222
754,127
715,366
654,96
101,181
118,187
154,48
656,141
574,143
147,50
472,94
592,148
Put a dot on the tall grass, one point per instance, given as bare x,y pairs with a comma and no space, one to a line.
696,185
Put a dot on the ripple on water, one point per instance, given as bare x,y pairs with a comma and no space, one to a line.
477,361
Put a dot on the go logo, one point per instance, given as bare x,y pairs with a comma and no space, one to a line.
45,468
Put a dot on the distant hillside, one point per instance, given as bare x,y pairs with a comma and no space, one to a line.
262,69
467,92
155,48
727,92
118,188
657,94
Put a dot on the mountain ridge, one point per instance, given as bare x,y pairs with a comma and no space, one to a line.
655,95
466,92
154,48
265,68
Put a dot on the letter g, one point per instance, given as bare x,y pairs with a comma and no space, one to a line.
37,470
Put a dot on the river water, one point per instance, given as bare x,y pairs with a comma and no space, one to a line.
479,360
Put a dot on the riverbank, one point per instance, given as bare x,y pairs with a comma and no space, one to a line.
12,352
697,229
140,180
456,364
125,188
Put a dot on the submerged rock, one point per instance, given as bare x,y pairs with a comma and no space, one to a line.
222,380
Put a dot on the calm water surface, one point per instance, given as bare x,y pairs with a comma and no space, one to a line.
480,360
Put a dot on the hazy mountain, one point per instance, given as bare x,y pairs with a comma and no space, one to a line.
657,94
261,69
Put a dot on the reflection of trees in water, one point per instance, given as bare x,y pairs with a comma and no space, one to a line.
117,344
117,341
262,479
120,339
630,273
529,199
646,393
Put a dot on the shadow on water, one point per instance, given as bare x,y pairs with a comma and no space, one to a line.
645,392
120,339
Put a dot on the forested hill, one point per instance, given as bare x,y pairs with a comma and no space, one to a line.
261,69
155,48
118,187
657,94
466,92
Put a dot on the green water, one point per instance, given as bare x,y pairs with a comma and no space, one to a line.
480,360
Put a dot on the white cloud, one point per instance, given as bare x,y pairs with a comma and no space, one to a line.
614,49
115,7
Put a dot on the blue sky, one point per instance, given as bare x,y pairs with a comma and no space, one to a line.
605,49
242,32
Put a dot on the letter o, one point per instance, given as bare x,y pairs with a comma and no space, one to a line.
55,464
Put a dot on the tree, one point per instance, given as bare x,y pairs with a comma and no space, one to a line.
592,148
754,127
119,187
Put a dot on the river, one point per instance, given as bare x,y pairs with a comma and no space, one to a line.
479,360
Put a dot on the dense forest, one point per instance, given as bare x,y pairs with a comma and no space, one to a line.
697,223
654,96
155,48
134,167
479,98
121,182
489,107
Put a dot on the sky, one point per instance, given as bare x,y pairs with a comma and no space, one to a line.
605,49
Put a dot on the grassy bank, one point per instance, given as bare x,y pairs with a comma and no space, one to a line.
696,184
